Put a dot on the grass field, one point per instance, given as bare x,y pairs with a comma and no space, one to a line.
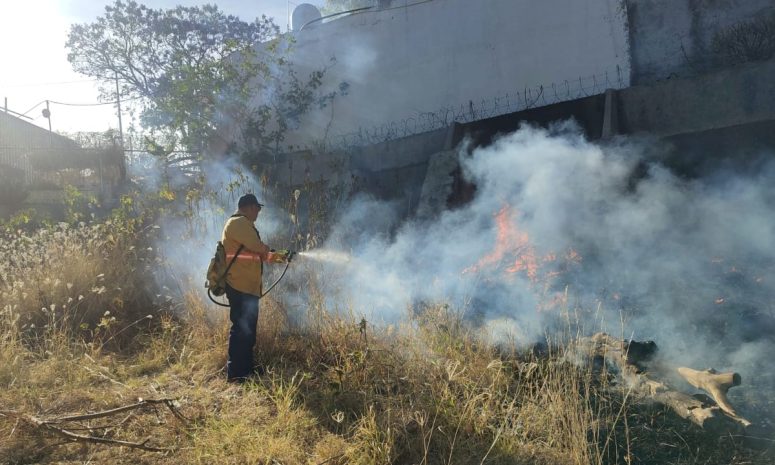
83,329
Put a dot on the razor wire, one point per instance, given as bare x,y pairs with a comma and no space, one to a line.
475,110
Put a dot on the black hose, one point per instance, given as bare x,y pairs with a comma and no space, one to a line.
212,299
287,264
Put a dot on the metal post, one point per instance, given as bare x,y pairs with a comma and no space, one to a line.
610,115
101,174
6,104
120,133
118,103
48,117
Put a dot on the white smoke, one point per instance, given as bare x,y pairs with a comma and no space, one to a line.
663,258
188,240
686,263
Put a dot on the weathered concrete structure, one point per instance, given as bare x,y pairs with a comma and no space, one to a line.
673,38
410,66
706,119
729,97
408,59
411,58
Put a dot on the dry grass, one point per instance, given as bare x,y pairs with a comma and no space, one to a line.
429,391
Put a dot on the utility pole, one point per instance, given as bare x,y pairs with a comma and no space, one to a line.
118,103
47,115
6,104
120,131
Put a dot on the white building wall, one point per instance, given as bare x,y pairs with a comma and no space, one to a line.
427,56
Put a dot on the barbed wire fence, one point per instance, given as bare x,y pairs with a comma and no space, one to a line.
476,110
19,164
427,121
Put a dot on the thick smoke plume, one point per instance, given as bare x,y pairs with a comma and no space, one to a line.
558,226
602,233
193,225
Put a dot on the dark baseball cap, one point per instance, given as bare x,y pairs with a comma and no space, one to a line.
248,199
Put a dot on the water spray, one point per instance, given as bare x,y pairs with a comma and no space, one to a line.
286,256
331,256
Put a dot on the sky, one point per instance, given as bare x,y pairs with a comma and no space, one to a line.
34,66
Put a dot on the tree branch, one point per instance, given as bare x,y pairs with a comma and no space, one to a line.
54,424
106,413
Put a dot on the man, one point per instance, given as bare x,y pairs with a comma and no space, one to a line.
243,285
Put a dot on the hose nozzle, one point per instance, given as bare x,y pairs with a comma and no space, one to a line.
281,256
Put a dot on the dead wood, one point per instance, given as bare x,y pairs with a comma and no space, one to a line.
716,384
56,424
170,403
94,439
643,380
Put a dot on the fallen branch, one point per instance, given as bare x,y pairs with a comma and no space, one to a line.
55,424
716,384
104,376
631,359
112,442
170,403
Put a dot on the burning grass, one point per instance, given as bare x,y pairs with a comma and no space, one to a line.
337,389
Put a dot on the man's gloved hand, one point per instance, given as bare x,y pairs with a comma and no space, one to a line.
279,256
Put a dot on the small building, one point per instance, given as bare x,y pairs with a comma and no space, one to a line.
36,166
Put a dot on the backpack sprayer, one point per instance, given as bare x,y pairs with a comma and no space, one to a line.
216,272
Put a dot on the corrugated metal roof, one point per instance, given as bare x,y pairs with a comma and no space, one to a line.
18,133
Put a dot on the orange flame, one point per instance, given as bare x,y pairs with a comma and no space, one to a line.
513,245
509,241
513,253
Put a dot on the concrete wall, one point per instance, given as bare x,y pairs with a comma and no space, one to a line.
417,57
412,59
728,97
708,120
392,171
670,38
435,54
19,138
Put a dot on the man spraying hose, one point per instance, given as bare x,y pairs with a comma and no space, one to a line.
247,254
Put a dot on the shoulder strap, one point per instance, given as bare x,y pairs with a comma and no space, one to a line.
239,249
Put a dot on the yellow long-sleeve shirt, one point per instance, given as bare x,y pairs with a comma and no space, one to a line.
245,275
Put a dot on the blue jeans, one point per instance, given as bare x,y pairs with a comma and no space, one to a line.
243,313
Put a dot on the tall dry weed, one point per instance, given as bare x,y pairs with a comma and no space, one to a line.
83,282
431,389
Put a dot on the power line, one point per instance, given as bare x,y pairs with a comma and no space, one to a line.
34,107
68,104
71,104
